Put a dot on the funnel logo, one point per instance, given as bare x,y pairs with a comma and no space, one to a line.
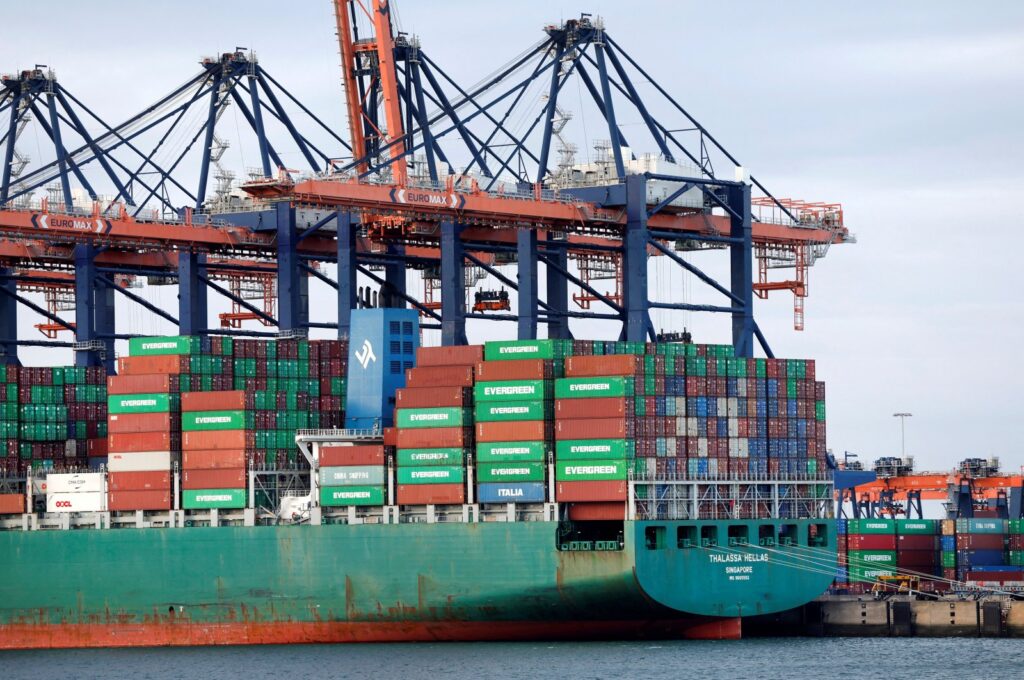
365,355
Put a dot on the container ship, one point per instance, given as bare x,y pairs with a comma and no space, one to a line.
320,491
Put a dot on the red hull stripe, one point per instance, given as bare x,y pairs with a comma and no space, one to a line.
182,633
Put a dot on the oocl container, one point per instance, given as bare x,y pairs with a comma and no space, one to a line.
93,501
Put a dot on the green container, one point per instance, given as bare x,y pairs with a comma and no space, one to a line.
509,452
204,499
171,344
917,527
871,526
593,449
1017,558
981,526
574,388
139,403
421,457
504,350
435,474
870,574
1016,526
434,417
510,472
192,421
512,390
590,471
949,559
871,558
335,496
501,411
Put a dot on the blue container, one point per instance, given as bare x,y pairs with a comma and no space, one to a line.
841,526
948,543
841,575
994,567
525,492
972,559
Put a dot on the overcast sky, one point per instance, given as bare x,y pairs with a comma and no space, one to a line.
909,115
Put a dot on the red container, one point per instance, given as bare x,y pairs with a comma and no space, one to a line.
593,428
97,448
390,436
162,363
431,494
453,355
1016,541
517,369
433,397
912,542
139,384
513,431
12,503
425,438
582,512
871,541
602,407
439,376
331,456
590,491
138,500
949,573
996,576
215,459
980,541
213,401
142,441
215,439
918,558
126,423
225,478
157,480
599,366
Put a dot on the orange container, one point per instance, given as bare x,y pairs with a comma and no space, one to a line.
601,407
518,369
12,503
602,365
215,439
138,500
390,436
513,431
432,397
430,437
158,480
140,441
331,456
139,384
598,511
213,401
454,355
430,494
227,478
162,363
125,423
215,459
574,492
591,428
439,376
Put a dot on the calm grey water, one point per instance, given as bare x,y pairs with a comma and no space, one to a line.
764,659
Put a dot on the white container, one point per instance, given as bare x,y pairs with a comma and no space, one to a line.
143,461
76,502
91,482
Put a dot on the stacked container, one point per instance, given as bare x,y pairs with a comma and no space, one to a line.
9,458
947,549
513,407
871,549
917,547
434,437
981,553
216,427
352,475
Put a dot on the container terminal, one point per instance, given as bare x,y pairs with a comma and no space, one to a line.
268,477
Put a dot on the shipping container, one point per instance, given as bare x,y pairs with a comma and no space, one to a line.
576,388
525,492
139,403
130,423
584,512
76,482
501,411
590,471
227,439
511,472
12,503
981,526
502,350
92,501
449,355
581,492
594,428
141,461
122,501
871,541
436,456
436,474
980,541
433,397
234,400
928,527
213,421
435,437
871,526
499,452
141,384
599,407
512,390
352,495
519,369
150,365
918,542
157,480
202,499
527,430
168,344
594,449
430,494
602,366
439,376
433,417
215,459
223,478
144,441
332,456
352,475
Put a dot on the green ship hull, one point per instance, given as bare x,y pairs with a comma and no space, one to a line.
391,582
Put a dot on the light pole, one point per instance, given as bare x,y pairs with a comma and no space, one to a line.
903,431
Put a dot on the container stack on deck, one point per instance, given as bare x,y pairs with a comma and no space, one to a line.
981,551
434,439
216,429
353,475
